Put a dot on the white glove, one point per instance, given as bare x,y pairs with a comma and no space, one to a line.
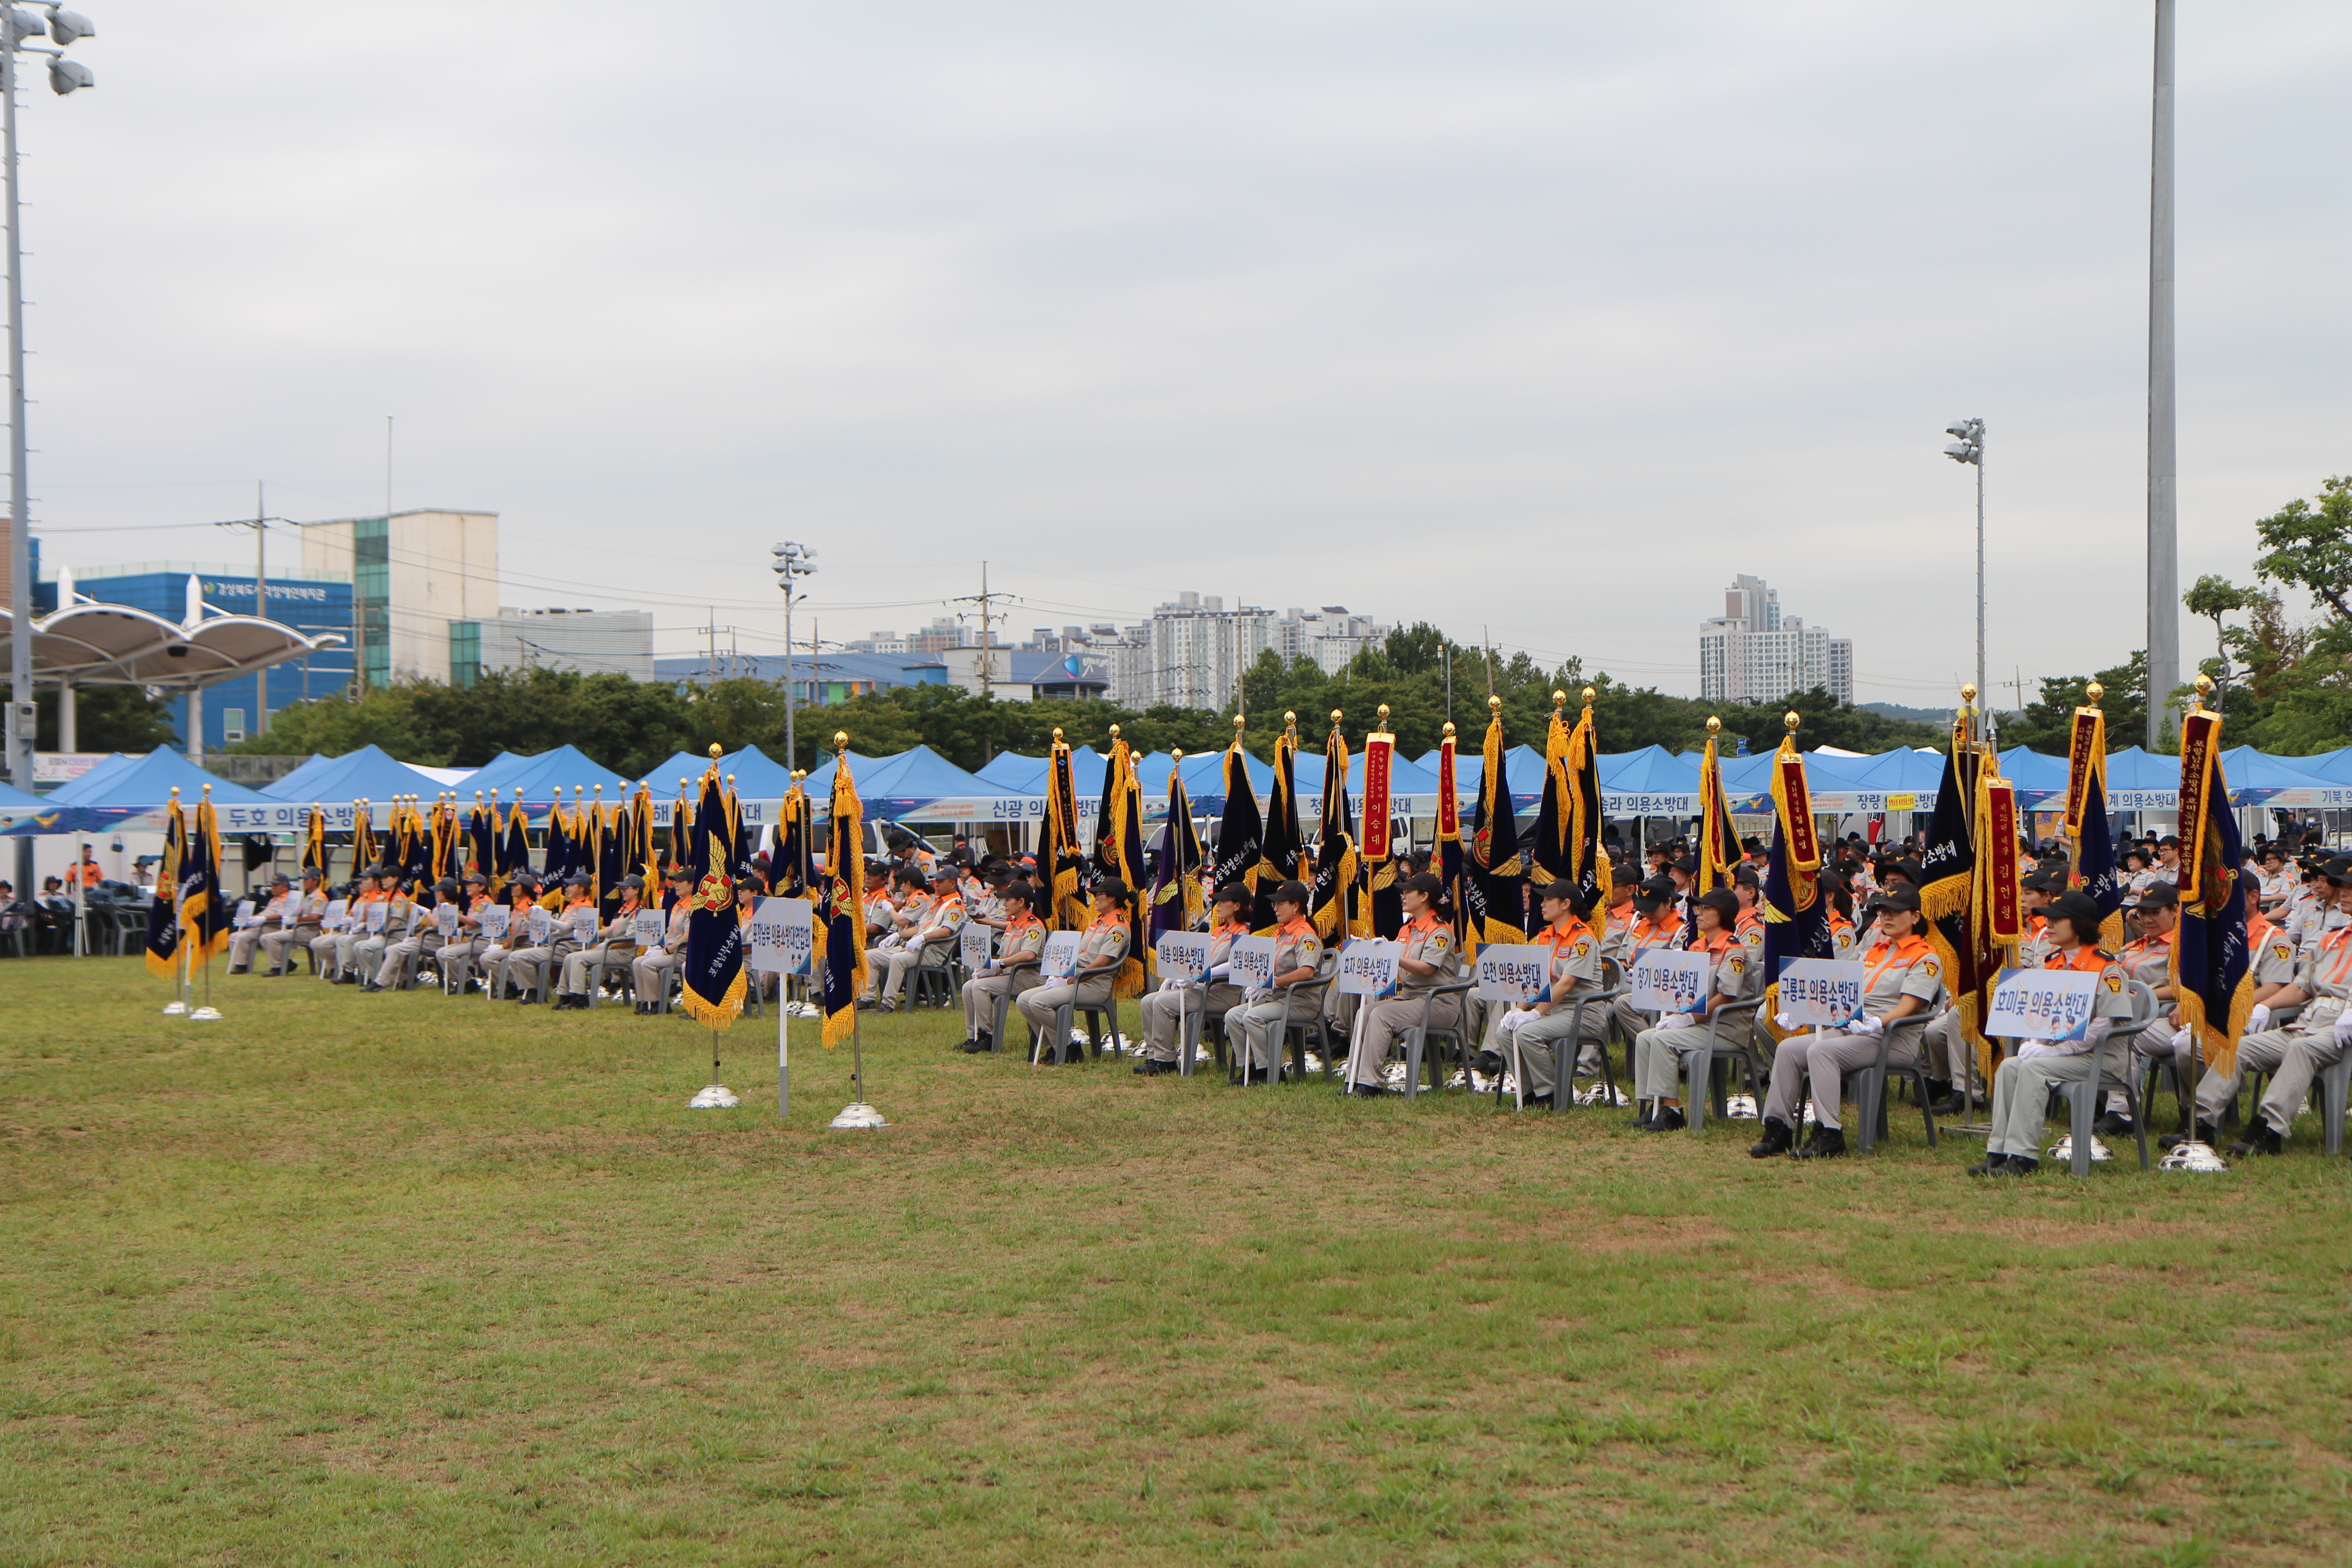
2028,1049
1868,1028
2181,1038
2344,1030
1677,1021
2259,1019
1517,1016
1786,1021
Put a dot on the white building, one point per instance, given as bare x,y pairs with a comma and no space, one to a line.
413,575
593,642
1200,648
1329,637
1751,653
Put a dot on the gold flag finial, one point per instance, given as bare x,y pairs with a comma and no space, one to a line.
1968,694
1494,705
714,750
1559,699
1384,712
1240,721
1114,731
1334,718
1449,729
208,789
731,781
2093,692
1589,695
1713,726
799,773
1792,719
2204,689
1175,756
1289,717
1057,733
840,741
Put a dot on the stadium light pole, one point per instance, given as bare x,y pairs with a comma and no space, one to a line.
1969,447
793,562
2163,431
17,26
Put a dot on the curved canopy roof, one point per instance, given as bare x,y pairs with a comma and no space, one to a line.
114,645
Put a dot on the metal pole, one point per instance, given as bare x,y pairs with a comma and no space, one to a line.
260,601
1981,588
789,754
2163,456
20,541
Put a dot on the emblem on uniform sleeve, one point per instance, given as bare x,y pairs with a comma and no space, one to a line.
1582,947
1929,965
1739,964
2115,981
2281,950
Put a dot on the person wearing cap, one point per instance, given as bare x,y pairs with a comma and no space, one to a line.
574,926
2294,1053
1212,996
416,937
1425,961
649,971
928,927
331,949
1658,1052
2276,885
269,919
1902,982
1657,923
1748,889
1255,1027
1529,1034
615,942
1011,972
1102,948
298,922
400,917
471,899
521,895
1617,928
2022,1084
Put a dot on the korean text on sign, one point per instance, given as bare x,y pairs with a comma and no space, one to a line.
1060,959
782,937
1183,955
1368,967
1822,992
1518,974
2042,1004
1667,980
1252,958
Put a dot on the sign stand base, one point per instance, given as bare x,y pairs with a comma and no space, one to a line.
175,1009
204,1015
857,1117
718,1096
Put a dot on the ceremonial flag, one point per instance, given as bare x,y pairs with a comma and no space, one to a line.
558,862
314,841
608,860
1449,845
1954,881
1383,909
482,840
2090,839
205,917
1548,847
1567,845
1176,883
1796,916
163,912
2212,979
1495,876
1241,836
1331,897
681,823
840,958
1118,852
1718,843
641,856
514,854
711,974
1060,862
1285,845
790,871
364,847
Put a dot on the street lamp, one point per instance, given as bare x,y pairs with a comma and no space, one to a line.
1969,447
793,562
65,75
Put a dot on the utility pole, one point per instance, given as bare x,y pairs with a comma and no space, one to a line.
2163,431
988,617
260,598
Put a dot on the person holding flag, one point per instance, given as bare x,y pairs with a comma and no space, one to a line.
1214,994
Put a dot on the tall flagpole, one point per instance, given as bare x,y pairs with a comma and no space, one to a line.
2163,456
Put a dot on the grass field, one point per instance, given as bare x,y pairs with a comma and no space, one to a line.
401,1278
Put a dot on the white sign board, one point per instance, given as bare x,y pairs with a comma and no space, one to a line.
1669,980
976,943
582,923
375,914
1516,972
333,919
539,923
782,939
244,916
445,918
1183,955
1368,967
2042,1004
648,928
1061,958
1252,961
1822,992
494,921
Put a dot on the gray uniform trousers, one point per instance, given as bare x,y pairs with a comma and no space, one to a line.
1538,1037
1950,1058
240,946
1829,1057
980,992
1255,1029
357,952
887,969
2021,1097
649,973
1384,1021
424,941
1038,1003
1658,1056
278,944
1162,1040
2292,1058
326,949
524,967
576,967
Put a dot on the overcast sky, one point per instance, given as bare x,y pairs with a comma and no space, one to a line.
1543,318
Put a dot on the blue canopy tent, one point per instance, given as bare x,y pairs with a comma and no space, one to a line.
1652,781
15,805
758,776
112,763
1205,782
369,773
2137,781
2040,778
2258,779
131,799
295,782
538,781
663,777
2334,766
922,785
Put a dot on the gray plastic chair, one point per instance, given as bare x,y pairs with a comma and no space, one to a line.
2113,1074
1415,1037
1870,1083
1725,1044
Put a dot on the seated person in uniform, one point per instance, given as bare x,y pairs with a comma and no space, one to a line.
1658,1052
2022,1084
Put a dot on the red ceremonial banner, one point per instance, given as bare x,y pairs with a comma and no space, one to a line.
1449,811
1380,751
2001,864
1804,849
2197,735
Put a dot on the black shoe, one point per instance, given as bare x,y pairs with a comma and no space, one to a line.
1641,1121
275,974
1254,1074
1367,1090
1668,1119
1538,1102
1826,1143
1151,1068
2261,1139
1949,1106
1777,1140
2114,1124
974,1047
1990,1165
2019,1165
2206,1133
1488,1063
241,969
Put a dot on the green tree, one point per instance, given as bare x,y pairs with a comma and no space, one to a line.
2310,547
108,719
2047,724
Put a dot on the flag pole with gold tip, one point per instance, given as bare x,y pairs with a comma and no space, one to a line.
856,1116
